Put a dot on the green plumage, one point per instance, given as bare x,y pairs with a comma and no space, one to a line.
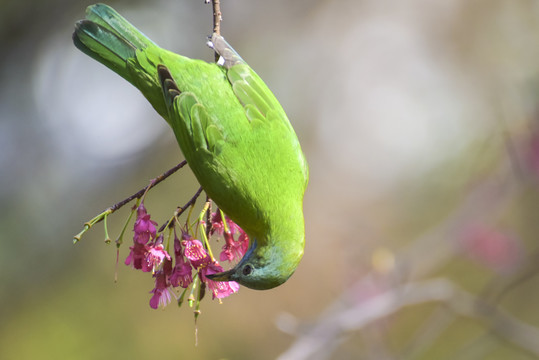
232,131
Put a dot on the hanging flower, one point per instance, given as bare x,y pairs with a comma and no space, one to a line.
155,256
161,293
181,274
194,251
137,256
144,228
218,226
219,289
234,249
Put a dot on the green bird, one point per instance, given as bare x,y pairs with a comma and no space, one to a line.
232,131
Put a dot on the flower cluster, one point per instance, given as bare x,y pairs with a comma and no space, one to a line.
191,260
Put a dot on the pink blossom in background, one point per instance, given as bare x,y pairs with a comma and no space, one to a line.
493,248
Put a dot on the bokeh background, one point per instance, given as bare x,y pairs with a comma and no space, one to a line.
420,122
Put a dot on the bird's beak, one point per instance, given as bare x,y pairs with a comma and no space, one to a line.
222,276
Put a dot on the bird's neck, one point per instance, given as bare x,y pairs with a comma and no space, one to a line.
286,233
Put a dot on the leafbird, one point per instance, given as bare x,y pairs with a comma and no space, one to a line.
232,131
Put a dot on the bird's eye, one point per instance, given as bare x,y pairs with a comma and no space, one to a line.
247,269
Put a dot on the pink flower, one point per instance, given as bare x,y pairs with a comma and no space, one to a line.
218,226
498,250
219,289
234,249
144,227
161,292
167,267
181,274
137,256
194,251
156,255
217,223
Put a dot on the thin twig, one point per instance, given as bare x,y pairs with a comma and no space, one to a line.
100,217
217,18
152,183
209,224
182,209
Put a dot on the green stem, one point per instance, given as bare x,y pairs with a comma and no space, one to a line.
180,210
169,236
201,292
191,298
182,296
120,238
91,223
107,238
200,220
225,225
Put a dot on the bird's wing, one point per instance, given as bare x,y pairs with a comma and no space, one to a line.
192,124
261,106
244,153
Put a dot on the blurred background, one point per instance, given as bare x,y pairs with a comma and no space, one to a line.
420,122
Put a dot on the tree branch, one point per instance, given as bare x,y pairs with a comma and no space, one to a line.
182,209
319,340
217,18
152,183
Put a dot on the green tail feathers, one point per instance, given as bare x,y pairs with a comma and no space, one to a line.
104,46
108,18
109,38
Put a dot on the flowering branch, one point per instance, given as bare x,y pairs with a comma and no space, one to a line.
172,266
139,194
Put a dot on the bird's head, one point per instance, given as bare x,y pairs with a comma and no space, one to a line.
263,267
